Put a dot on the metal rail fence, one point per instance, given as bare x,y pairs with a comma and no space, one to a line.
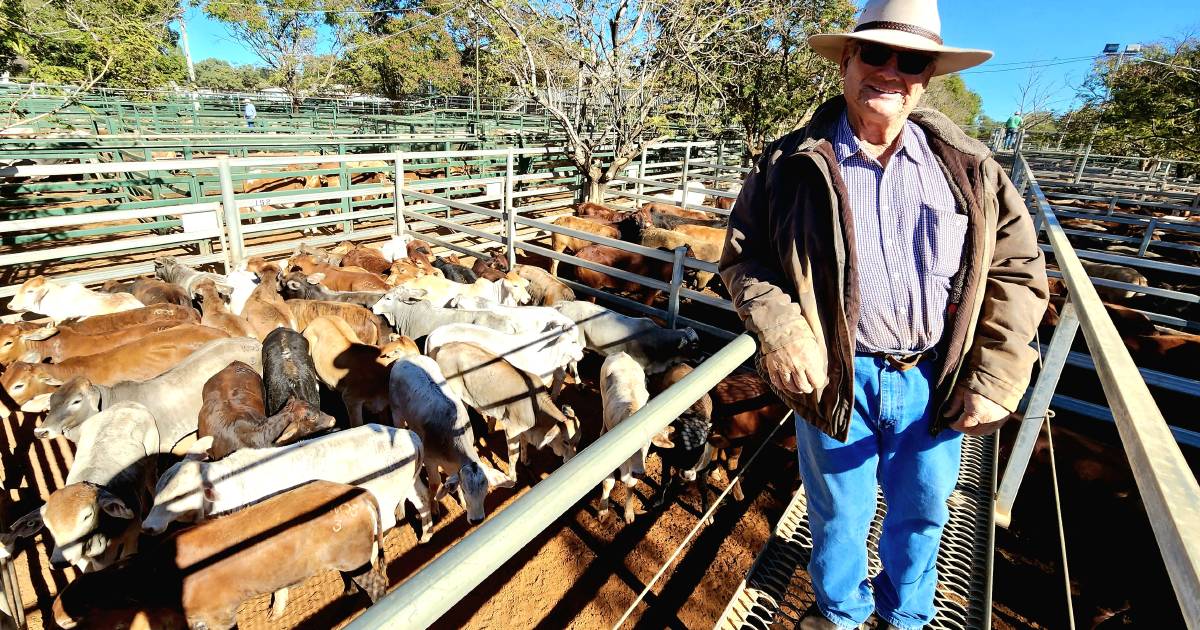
1166,484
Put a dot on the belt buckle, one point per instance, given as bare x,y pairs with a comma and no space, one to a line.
903,363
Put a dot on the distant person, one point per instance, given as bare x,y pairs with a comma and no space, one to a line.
1011,127
249,112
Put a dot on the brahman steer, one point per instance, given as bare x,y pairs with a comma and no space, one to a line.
235,415
60,302
150,291
369,327
199,576
215,314
113,322
549,355
607,332
266,310
493,268
510,400
544,289
439,291
367,258
337,279
168,269
629,262
57,343
288,370
348,366
94,517
622,393
135,361
691,454
383,460
174,398
297,286
601,212
422,400
561,242
418,318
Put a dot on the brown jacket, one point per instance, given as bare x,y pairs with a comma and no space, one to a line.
789,265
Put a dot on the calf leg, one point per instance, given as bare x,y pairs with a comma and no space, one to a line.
735,453
606,488
278,603
514,453
630,512
421,501
370,578
667,486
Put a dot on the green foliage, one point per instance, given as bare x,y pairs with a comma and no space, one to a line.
1151,109
218,74
403,54
951,96
123,43
767,80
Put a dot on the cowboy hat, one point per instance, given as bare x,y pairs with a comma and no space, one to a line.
911,24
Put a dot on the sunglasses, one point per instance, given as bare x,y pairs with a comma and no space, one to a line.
907,62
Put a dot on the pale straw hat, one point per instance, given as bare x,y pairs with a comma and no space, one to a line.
911,24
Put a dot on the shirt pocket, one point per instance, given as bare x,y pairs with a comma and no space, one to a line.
944,231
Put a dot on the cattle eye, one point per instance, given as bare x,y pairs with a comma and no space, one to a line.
18,386
76,401
8,343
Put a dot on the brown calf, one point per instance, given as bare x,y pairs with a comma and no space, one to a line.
743,407
57,343
353,368
600,212
626,261
367,326
266,310
235,414
651,207
135,361
336,279
150,291
205,572
561,242
368,258
99,324
216,314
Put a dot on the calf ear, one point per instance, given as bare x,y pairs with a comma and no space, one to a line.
199,448
40,334
50,380
115,507
38,404
663,439
449,486
548,437
293,285
316,278
288,434
210,493
25,526
495,477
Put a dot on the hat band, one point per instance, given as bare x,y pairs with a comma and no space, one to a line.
900,26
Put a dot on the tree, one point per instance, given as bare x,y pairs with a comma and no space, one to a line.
600,68
398,54
218,74
765,77
301,41
124,43
950,95
1147,106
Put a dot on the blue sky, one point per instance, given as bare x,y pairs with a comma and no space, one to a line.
1017,30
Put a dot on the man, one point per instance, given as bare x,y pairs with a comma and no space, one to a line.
892,276
1010,129
249,112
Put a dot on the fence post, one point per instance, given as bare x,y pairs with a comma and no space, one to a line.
510,210
1147,237
676,284
683,177
233,218
641,171
1035,412
398,194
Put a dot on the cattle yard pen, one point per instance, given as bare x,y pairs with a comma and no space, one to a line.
466,200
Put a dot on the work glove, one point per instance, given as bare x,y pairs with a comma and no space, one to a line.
796,368
977,414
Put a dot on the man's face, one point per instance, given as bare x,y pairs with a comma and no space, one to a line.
880,93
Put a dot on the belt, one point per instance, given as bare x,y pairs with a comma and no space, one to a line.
903,362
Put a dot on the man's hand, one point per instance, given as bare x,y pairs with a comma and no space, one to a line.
796,368
977,414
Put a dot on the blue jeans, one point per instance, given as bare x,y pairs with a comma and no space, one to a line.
890,445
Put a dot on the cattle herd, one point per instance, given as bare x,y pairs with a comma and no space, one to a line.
209,468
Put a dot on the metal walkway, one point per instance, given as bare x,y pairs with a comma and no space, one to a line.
776,593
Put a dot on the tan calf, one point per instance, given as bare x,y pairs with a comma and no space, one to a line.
205,572
112,322
216,314
369,327
561,242
353,368
135,361
265,309
337,279
58,343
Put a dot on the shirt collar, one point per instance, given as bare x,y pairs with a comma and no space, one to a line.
845,143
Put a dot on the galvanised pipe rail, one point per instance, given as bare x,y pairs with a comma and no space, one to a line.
1167,486
432,591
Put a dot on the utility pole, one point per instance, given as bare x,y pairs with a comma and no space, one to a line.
187,54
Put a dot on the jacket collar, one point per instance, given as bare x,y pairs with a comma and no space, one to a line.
937,127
